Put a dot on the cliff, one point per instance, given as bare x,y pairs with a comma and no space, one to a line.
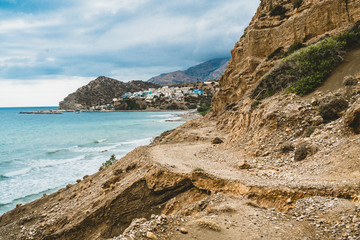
306,23
283,167
101,91
206,71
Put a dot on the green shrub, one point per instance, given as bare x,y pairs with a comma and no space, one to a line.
315,63
255,103
278,11
349,39
294,47
110,161
303,71
298,3
173,106
204,109
198,170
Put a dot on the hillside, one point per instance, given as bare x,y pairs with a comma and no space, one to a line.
101,91
267,163
206,71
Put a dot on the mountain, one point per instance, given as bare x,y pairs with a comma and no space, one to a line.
101,91
206,71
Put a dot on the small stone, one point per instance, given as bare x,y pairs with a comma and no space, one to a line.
244,165
317,120
183,230
217,140
151,235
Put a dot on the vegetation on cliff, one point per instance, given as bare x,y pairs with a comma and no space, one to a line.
305,70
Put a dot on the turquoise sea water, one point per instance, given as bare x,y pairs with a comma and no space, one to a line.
42,153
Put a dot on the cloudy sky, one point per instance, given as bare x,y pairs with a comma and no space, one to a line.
50,48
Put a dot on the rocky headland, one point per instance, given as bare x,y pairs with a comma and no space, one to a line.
279,165
101,91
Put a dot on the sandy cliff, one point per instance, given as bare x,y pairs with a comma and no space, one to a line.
283,168
306,24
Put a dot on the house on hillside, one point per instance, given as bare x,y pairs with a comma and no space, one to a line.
197,92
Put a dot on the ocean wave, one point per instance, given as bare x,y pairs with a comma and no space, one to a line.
44,163
90,143
93,149
27,197
2,177
57,151
163,116
100,141
17,172
170,119
112,146
7,162
39,164
138,141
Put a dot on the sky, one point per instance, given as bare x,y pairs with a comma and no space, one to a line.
49,48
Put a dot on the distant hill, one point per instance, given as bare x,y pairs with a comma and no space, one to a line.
101,91
209,70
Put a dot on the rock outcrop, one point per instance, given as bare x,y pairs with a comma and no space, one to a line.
101,91
306,22
206,71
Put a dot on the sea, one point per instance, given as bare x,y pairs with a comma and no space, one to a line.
41,153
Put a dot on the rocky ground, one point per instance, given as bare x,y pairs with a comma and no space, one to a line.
298,180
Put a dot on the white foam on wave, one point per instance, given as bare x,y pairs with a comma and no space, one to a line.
100,140
93,149
175,118
162,116
139,142
43,163
17,172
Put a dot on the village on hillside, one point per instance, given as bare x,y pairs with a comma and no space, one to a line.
181,96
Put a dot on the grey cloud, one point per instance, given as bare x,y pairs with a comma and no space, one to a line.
159,35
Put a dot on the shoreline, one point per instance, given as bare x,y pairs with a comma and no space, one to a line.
182,116
185,115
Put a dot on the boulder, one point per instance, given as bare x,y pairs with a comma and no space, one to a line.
301,152
352,117
332,107
304,150
350,81
244,165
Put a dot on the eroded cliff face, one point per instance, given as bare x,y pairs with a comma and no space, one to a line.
309,22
